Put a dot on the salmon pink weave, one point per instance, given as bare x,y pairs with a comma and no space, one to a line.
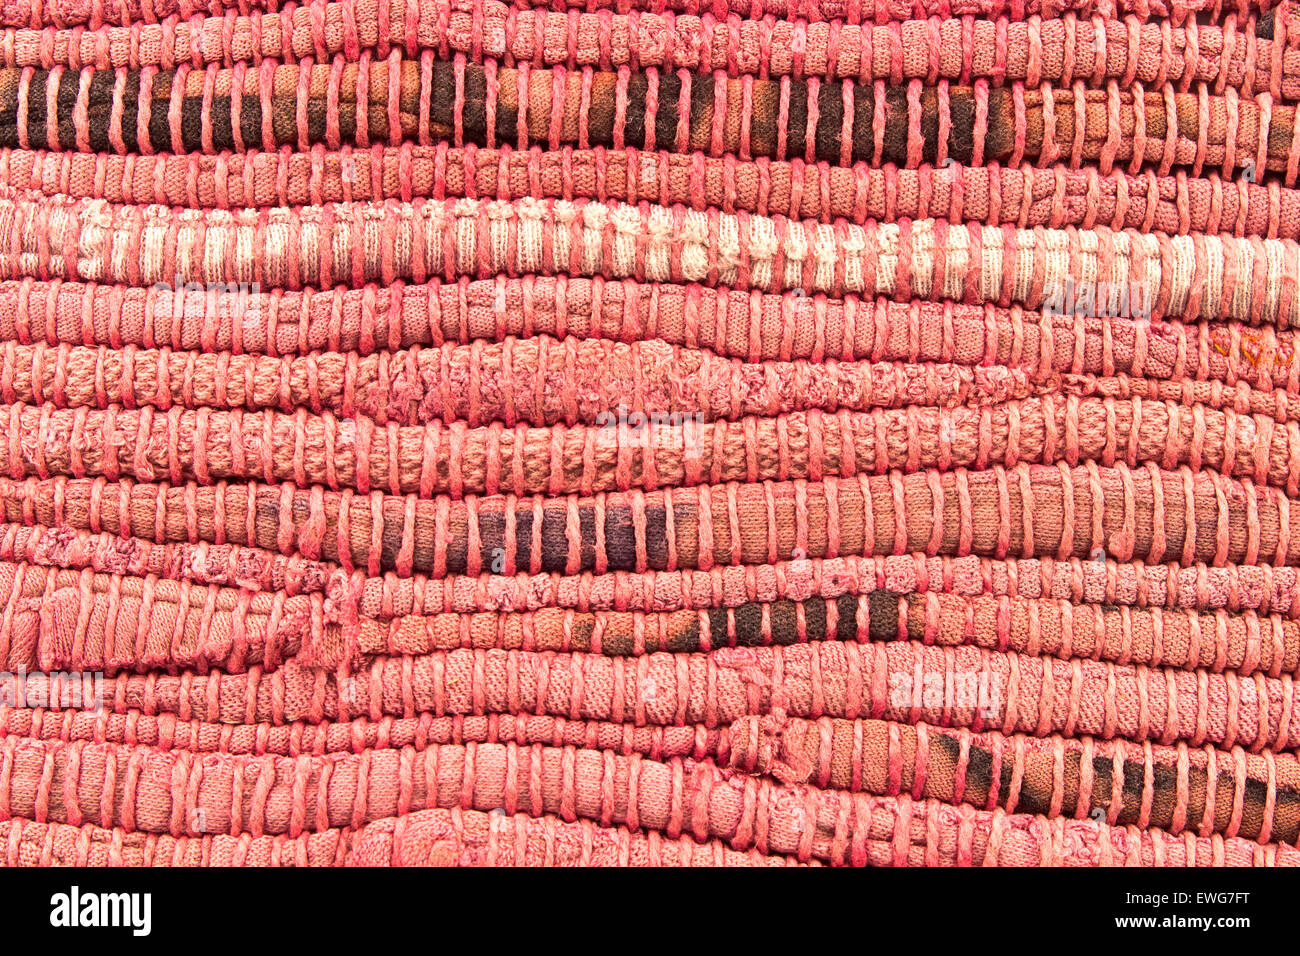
649,432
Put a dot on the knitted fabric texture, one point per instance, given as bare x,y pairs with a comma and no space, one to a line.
649,433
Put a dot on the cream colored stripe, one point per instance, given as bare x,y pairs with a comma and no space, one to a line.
530,236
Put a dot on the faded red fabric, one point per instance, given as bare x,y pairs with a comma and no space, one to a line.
649,433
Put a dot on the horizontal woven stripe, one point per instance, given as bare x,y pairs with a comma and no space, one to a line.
356,789
996,195
71,12
1180,276
1250,796
29,843
1242,57
1236,588
1246,645
731,323
1274,404
64,620
165,732
421,386
1239,589
430,100
220,564
1034,695
1030,511
154,623
640,451
430,837
903,833
831,752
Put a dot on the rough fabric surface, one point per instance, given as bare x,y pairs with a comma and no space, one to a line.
649,433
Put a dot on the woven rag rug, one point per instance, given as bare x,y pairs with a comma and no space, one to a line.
649,432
